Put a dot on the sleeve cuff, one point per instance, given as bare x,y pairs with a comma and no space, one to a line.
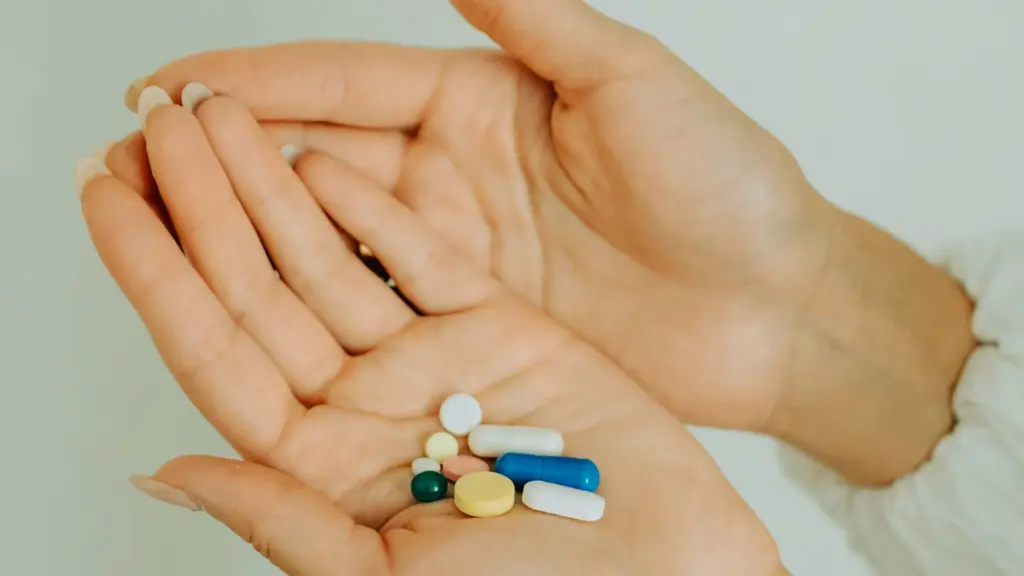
962,512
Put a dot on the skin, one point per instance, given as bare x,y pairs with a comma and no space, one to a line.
600,178
328,435
589,214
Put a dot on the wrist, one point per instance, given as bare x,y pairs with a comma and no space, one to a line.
877,349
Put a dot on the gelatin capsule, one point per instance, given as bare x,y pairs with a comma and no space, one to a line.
578,473
563,501
489,441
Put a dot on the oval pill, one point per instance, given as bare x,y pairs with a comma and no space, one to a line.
489,441
455,467
460,414
429,486
425,465
563,501
441,445
484,494
578,473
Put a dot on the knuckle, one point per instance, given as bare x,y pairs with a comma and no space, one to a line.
316,270
249,295
263,547
213,346
258,539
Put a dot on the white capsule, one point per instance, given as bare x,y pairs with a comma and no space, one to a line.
425,465
489,441
460,413
563,501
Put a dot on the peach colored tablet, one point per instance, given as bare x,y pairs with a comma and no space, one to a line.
455,467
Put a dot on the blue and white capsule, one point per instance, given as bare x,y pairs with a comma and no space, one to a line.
578,473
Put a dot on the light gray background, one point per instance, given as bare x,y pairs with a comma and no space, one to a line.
907,111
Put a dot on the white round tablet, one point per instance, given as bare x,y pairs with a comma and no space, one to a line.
460,413
421,465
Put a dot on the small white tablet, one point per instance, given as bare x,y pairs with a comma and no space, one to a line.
460,413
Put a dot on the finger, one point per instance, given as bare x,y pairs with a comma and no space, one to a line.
433,188
564,41
127,161
377,153
431,273
225,374
351,83
350,300
295,527
223,246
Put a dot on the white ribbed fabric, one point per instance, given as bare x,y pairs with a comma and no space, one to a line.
961,513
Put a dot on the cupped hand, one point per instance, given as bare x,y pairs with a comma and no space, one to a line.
588,169
328,383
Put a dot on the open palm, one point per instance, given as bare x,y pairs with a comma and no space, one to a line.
625,196
316,371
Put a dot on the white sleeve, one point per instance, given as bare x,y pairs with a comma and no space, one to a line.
962,512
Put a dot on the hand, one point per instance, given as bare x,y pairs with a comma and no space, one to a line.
328,435
588,169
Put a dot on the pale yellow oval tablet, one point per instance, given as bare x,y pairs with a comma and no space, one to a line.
484,494
441,445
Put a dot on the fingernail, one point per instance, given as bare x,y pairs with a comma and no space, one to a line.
291,153
193,95
165,493
86,170
131,95
151,98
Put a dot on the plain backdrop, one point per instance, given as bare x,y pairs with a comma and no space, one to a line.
906,111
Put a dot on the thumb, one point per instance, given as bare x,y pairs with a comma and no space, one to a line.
564,41
295,527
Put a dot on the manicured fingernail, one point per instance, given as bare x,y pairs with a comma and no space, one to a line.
291,153
131,95
151,98
193,95
165,493
86,170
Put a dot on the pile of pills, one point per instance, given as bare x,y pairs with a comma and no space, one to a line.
529,460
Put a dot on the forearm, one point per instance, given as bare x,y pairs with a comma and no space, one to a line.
877,355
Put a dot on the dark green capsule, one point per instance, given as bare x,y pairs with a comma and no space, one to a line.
429,486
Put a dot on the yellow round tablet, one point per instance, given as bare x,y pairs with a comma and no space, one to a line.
441,445
484,494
